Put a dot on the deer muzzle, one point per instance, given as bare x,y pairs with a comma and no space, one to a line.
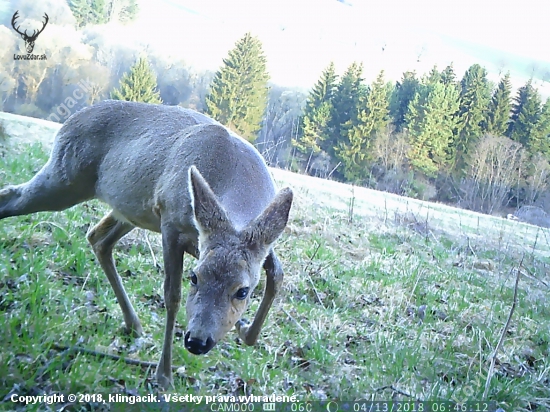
198,346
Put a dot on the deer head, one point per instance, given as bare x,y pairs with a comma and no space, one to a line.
229,264
29,40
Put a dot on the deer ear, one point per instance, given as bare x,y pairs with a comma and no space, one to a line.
267,227
210,216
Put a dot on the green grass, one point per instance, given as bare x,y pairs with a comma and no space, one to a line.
366,307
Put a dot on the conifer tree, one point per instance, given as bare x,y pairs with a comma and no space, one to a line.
403,93
525,114
539,141
372,116
345,105
475,95
238,95
498,114
317,114
448,75
138,85
432,123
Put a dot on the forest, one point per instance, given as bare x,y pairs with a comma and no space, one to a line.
456,138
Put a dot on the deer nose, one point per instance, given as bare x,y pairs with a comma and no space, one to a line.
197,346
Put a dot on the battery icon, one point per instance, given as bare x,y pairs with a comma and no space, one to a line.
269,406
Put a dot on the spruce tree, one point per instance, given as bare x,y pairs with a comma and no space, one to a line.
403,93
448,75
372,117
475,95
238,95
317,113
525,114
540,135
138,85
432,121
498,115
345,105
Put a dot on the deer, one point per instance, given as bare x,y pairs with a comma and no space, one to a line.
29,40
177,172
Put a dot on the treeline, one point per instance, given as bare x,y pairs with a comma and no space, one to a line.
435,136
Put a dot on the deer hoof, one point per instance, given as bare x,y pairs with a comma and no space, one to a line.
135,331
164,382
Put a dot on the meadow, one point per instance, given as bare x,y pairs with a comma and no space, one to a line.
384,298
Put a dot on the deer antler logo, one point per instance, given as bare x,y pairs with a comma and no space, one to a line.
29,40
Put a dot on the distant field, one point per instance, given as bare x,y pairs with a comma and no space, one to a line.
399,300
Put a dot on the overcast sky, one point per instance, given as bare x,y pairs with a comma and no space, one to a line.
301,37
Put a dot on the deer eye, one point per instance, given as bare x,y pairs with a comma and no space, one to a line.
242,293
193,278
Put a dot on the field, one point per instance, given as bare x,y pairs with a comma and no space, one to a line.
385,298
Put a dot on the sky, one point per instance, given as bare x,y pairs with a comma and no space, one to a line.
300,37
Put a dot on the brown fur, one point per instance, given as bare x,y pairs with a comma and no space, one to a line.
176,172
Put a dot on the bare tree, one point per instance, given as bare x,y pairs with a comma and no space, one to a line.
494,168
537,179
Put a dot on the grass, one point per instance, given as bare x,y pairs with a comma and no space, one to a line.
393,306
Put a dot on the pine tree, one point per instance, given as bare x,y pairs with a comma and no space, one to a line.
372,117
498,114
238,95
138,85
317,113
403,93
525,114
475,95
539,141
432,123
345,104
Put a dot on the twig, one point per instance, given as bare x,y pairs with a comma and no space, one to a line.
295,321
504,331
155,262
308,275
396,390
470,247
144,364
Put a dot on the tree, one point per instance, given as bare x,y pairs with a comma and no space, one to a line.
498,114
318,111
475,95
525,114
238,95
494,167
103,11
372,117
432,122
539,142
402,95
448,75
89,12
345,106
138,85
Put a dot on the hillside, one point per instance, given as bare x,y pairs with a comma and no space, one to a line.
399,300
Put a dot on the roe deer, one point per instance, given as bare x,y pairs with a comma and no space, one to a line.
178,172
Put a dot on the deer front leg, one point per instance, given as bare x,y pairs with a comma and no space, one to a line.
274,274
173,249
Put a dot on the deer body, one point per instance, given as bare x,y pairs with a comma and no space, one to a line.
179,173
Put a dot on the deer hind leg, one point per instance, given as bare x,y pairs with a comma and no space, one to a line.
47,191
103,237
274,280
